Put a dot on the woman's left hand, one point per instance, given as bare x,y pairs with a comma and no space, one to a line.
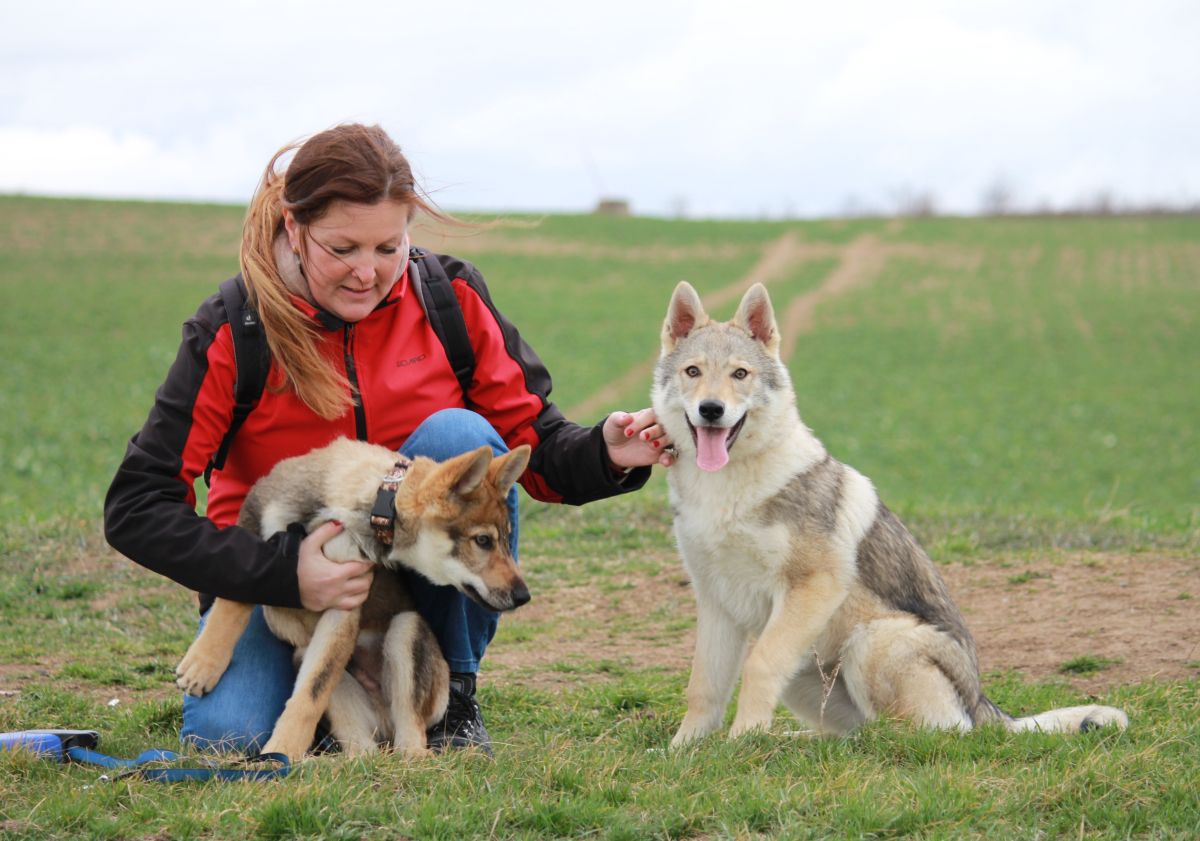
636,440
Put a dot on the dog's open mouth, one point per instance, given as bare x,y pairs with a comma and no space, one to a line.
475,596
713,444
510,600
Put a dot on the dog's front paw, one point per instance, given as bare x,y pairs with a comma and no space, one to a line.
700,721
681,738
420,751
742,727
198,672
688,733
293,747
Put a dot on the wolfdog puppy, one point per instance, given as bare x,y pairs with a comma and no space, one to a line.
448,521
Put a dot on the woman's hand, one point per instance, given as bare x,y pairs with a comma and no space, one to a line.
326,584
636,440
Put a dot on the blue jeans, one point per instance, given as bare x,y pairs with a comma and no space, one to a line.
241,711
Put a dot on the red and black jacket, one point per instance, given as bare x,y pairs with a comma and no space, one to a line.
402,375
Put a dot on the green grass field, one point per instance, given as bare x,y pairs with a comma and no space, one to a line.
1013,387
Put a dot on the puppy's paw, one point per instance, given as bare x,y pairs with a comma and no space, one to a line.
293,746
198,672
414,752
409,742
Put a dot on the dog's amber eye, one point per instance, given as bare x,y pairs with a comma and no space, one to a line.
692,371
484,541
741,374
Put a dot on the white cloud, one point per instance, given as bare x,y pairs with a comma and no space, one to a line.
90,160
762,107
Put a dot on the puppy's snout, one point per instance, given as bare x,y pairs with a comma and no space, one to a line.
712,410
520,594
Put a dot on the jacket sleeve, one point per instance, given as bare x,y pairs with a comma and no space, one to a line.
149,512
511,388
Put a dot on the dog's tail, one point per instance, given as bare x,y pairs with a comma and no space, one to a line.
1070,720
1063,720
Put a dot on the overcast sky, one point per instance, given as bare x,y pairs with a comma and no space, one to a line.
743,109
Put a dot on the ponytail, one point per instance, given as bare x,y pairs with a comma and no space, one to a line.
291,335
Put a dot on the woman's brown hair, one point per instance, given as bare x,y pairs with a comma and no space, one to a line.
352,163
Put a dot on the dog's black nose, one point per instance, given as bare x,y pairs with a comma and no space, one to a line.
712,410
520,595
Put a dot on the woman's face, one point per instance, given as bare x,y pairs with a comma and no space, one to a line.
352,255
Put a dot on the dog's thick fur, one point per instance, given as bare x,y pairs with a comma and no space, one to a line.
803,579
452,526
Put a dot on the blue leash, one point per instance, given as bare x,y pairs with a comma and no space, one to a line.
137,767
77,746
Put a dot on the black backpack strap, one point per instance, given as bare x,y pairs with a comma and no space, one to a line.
252,355
445,315
252,358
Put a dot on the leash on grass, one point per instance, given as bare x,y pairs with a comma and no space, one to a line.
78,746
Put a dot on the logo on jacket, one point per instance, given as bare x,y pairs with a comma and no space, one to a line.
401,363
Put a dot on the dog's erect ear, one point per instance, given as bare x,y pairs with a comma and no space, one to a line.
505,470
684,314
464,473
756,316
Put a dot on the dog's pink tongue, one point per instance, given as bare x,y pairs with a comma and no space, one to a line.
711,453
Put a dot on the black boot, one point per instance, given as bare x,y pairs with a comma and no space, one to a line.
462,726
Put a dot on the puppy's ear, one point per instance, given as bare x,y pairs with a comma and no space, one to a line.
756,316
507,469
684,314
462,474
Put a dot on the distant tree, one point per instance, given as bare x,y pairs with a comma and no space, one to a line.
854,208
1101,204
997,199
914,203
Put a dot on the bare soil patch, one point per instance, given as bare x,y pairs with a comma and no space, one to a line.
1137,615
1140,610
1140,614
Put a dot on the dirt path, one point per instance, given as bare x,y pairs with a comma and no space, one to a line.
859,264
469,241
1139,614
778,256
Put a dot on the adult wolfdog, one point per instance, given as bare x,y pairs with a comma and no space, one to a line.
804,580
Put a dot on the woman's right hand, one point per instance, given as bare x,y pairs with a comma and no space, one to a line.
326,584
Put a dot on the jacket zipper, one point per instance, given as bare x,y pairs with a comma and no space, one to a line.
360,415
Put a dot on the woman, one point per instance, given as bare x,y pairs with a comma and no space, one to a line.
325,260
